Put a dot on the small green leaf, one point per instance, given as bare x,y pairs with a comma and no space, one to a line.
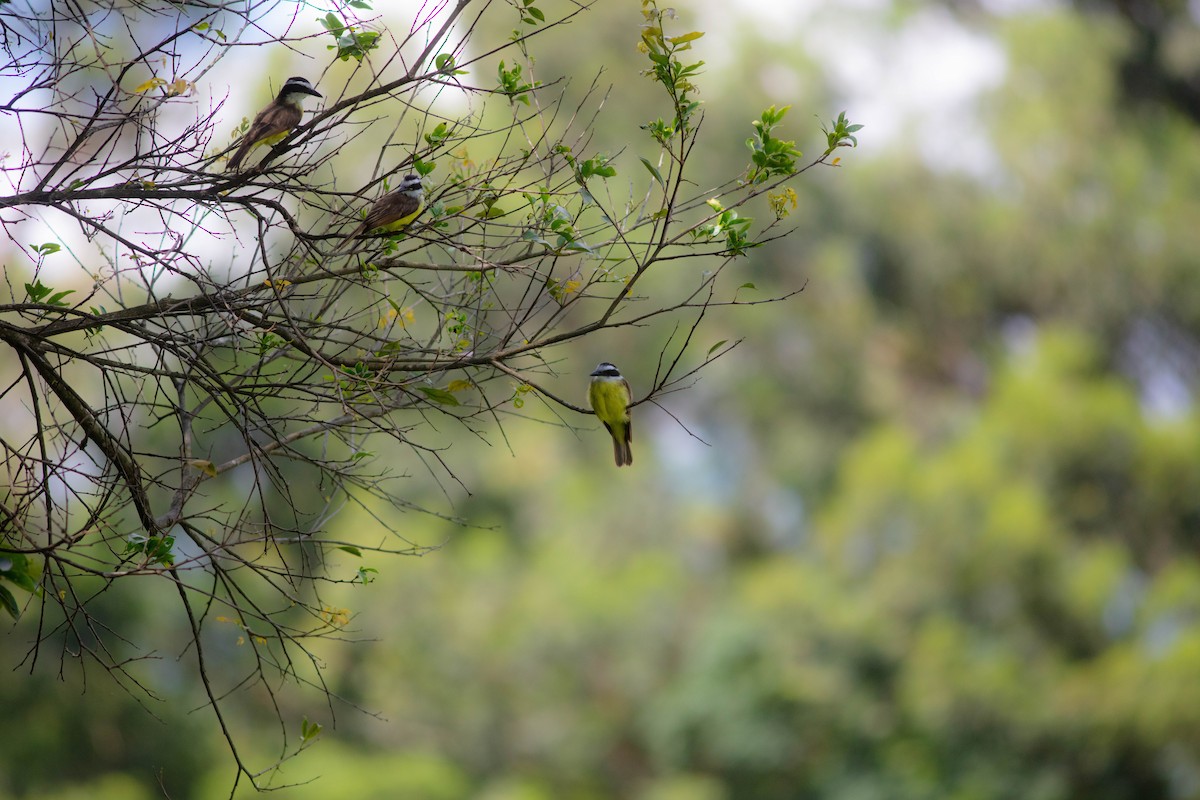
17,567
9,603
444,61
351,549
309,730
205,466
716,346
687,37
654,171
439,395
422,167
36,291
747,286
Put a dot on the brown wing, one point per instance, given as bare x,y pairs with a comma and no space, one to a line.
388,209
628,427
275,119
628,414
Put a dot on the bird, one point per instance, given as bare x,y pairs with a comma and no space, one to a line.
394,210
610,396
276,120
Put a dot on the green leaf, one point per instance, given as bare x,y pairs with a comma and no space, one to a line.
439,134
36,291
351,549
10,603
19,571
747,286
685,38
422,167
716,346
654,171
204,465
536,13
439,395
309,730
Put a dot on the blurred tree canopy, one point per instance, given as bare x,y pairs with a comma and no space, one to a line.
943,543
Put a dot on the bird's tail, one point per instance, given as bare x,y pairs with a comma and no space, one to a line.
346,244
622,447
235,161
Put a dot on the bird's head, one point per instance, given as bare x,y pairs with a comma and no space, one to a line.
295,89
606,370
411,186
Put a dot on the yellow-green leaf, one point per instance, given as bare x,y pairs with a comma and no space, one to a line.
439,395
150,84
207,467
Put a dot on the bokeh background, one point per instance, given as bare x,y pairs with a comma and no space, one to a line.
939,539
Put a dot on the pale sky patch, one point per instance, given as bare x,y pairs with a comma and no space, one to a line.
915,80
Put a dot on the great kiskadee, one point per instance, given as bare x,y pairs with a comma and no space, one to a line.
610,396
276,120
394,210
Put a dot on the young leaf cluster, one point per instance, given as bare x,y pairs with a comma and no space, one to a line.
667,69
770,156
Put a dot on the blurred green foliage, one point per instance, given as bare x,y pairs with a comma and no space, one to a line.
941,547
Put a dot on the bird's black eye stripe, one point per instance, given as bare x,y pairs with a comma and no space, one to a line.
609,372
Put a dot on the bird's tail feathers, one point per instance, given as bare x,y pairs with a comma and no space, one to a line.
622,450
347,244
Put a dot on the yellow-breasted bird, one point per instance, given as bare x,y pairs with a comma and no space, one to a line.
394,210
610,396
276,120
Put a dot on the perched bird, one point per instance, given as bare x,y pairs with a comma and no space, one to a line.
394,210
276,120
610,396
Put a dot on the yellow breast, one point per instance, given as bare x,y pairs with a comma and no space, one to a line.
609,401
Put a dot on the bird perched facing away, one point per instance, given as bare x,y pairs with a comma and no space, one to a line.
276,120
394,210
610,396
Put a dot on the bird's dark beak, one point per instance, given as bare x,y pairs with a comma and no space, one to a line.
314,92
